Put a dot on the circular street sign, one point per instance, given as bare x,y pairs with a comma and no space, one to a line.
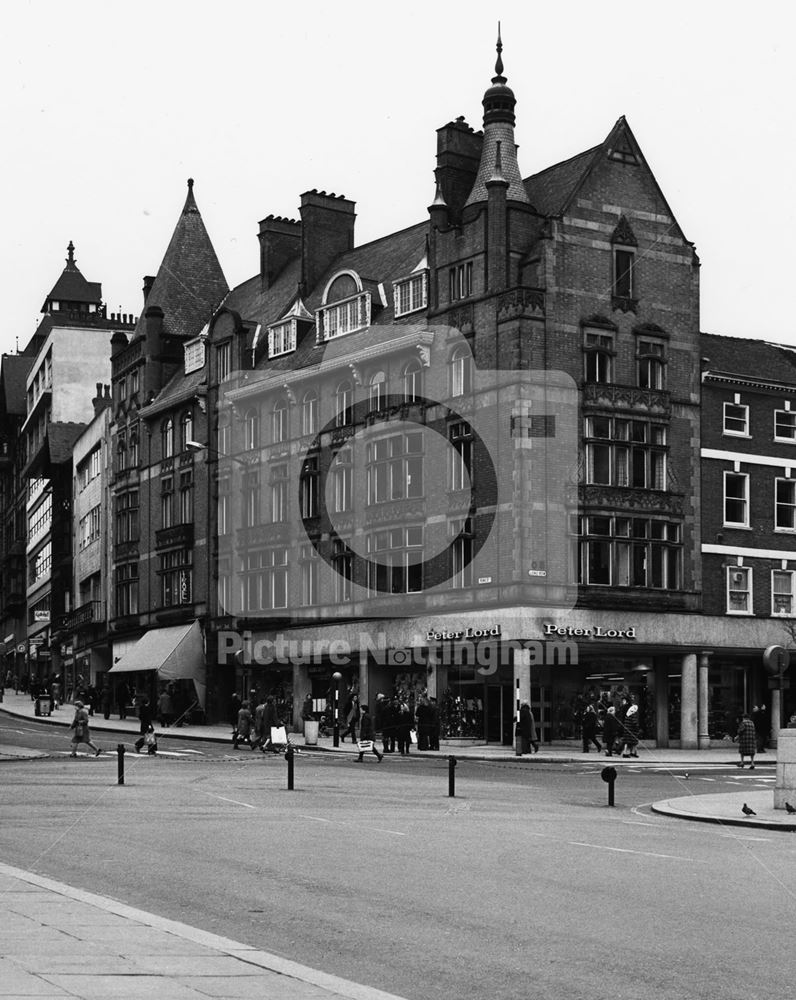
776,659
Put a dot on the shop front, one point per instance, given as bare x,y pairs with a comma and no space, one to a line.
689,674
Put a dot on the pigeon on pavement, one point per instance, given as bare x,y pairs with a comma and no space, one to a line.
789,808
747,811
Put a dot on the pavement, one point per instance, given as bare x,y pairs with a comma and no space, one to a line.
97,948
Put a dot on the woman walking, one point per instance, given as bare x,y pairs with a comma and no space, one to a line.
80,730
630,729
589,725
527,730
747,740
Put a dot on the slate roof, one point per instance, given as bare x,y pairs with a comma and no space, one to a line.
551,189
747,358
61,438
14,370
189,284
178,389
73,287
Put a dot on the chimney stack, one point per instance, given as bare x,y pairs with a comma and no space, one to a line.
327,230
280,243
149,281
458,158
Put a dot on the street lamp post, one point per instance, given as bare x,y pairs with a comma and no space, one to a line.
336,678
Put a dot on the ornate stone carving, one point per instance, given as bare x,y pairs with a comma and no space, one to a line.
624,303
610,396
517,301
623,234
626,498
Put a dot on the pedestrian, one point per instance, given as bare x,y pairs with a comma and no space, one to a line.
122,698
144,721
526,728
610,731
747,740
243,727
389,717
403,728
105,699
307,713
423,716
630,730
792,721
91,695
270,720
234,708
351,714
435,724
366,736
588,727
80,730
165,708
55,689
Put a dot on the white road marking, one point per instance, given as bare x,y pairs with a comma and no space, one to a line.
627,850
734,836
358,826
633,822
233,801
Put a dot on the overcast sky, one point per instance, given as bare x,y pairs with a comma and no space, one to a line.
107,109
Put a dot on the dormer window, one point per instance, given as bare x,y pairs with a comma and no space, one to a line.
344,317
194,355
282,338
411,294
346,307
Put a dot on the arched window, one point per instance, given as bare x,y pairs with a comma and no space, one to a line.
279,421
413,380
377,390
121,453
186,430
343,398
309,412
167,437
461,365
251,429
598,356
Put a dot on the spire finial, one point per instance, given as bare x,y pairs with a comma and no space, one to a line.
499,78
70,260
190,183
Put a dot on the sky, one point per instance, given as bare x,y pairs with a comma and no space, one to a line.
107,108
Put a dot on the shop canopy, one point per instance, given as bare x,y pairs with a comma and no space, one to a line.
177,653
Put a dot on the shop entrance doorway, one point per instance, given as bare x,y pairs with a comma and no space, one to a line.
499,714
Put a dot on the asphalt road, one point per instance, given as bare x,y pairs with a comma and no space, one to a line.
525,884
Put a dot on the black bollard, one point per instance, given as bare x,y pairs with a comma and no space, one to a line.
289,759
608,774
120,762
451,777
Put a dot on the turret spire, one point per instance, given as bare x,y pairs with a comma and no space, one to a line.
499,63
71,264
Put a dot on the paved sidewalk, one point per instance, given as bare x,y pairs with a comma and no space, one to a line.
59,941
109,730
726,808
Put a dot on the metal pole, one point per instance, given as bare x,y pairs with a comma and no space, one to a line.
289,759
451,777
336,720
611,784
517,736
120,762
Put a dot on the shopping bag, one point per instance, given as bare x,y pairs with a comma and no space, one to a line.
278,734
364,745
413,735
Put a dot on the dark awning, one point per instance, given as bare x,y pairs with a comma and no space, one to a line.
176,652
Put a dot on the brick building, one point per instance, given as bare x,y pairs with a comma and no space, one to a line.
591,541
159,492
749,526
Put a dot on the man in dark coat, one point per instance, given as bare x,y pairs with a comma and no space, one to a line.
435,725
527,730
366,733
389,717
270,720
610,731
423,714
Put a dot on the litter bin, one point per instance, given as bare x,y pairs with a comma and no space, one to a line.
310,732
43,705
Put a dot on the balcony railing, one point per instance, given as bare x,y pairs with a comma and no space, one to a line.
90,613
178,534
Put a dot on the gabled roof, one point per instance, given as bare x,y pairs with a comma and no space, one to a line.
553,190
179,389
14,370
748,359
72,286
189,284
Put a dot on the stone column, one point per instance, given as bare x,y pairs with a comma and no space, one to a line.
301,687
661,701
776,717
688,702
363,680
522,673
704,706
785,787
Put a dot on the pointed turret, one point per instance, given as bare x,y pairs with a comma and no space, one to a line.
189,283
72,293
499,103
